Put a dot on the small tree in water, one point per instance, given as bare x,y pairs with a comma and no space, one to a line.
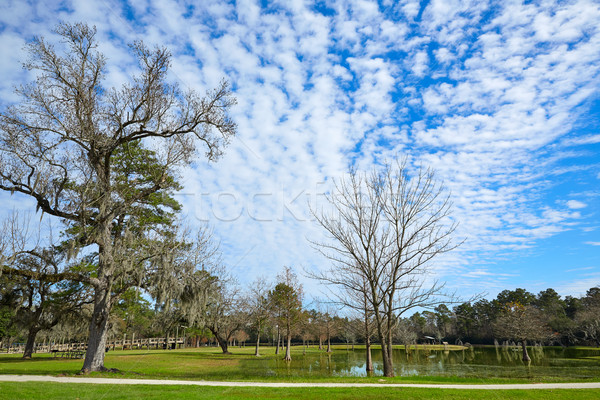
521,323
286,300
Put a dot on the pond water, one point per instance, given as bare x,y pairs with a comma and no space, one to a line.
474,362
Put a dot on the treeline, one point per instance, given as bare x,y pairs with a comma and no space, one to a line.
550,318
273,314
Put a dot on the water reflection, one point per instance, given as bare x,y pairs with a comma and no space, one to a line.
504,361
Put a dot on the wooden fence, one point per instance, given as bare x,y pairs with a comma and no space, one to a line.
122,344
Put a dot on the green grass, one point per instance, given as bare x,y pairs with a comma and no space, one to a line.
42,390
210,364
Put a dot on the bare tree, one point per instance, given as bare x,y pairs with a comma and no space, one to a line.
328,321
43,303
61,146
258,307
521,323
385,229
225,312
406,334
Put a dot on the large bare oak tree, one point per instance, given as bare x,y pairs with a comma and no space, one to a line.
59,146
385,228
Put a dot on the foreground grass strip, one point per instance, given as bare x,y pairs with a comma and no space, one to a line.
108,381
47,390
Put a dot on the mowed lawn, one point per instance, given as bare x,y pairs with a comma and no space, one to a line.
210,364
50,391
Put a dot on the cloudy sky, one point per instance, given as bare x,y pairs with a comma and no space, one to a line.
499,97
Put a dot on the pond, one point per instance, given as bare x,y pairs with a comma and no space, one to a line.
474,362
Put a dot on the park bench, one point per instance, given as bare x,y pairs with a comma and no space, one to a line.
68,354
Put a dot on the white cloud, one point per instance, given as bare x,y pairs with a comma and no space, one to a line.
593,243
420,63
579,286
576,204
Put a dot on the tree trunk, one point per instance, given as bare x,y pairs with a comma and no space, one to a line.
256,352
320,342
94,356
221,341
288,354
328,343
30,343
388,369
390,345
223,345
278,341
525,355
369,366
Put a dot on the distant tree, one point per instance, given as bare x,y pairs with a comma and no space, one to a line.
135,311
587,319
307,328
430,328
443,320
553,308
331,327
45,304
592,297
418,324
587,322
572,306
61,145
313,327
349,329
465,320
405,333
328,322
42,303
286,300
485,313
521,323
519,295
258,307
225,312
10,298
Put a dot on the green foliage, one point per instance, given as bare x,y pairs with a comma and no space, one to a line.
135,311
10,297
518,295
286,303
136,169
7,325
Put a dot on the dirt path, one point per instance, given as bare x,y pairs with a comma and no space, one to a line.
512,386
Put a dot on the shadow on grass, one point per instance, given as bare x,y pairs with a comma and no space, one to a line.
35,358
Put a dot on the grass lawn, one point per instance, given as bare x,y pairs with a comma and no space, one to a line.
208,363
42,390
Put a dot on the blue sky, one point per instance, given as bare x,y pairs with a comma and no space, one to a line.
499,97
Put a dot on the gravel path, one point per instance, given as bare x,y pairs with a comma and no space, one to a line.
512,386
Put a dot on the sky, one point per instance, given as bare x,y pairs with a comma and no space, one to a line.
500,98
